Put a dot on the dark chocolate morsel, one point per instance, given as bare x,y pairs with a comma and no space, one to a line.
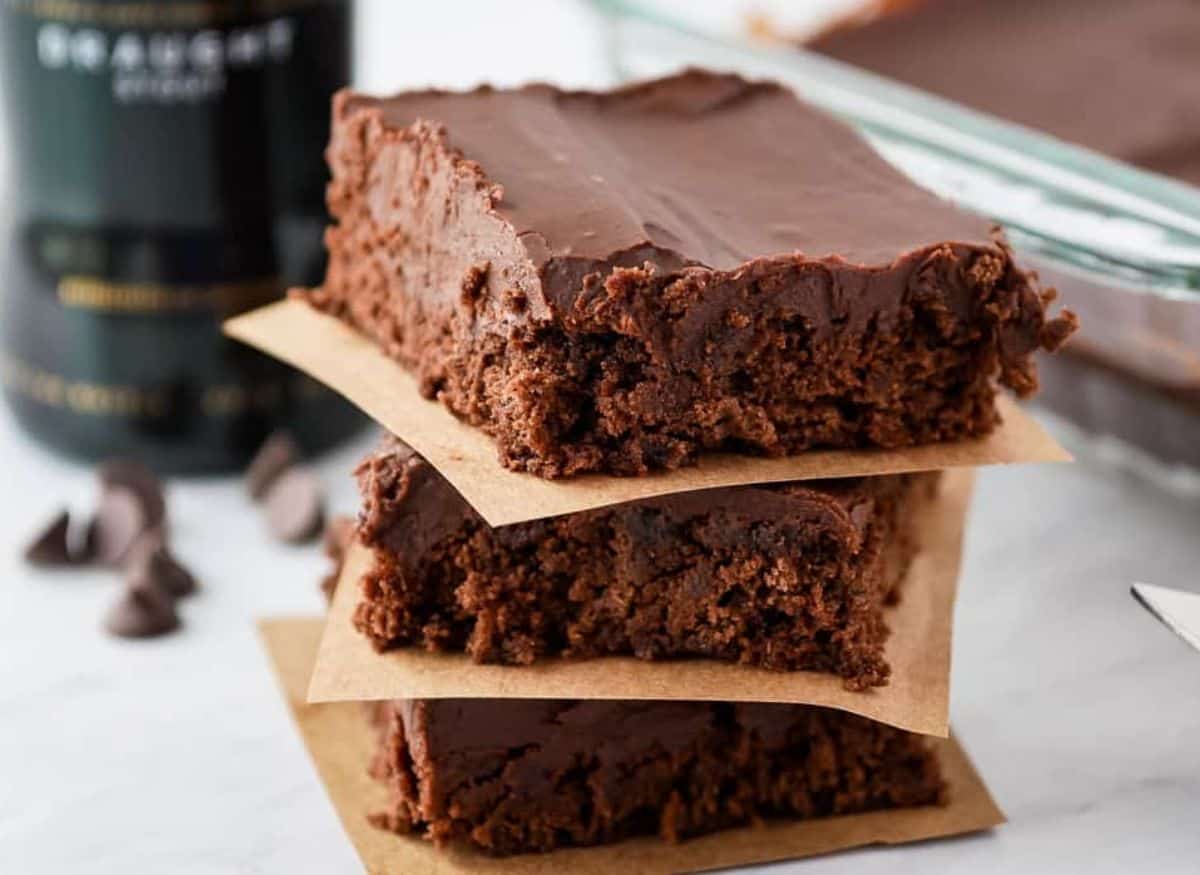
142,611
295,505
119,522
278,453
155,563
339,532
52,546
329,584
142,482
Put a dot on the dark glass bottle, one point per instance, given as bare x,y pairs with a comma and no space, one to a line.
166,171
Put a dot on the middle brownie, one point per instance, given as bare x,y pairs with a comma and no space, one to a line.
789,576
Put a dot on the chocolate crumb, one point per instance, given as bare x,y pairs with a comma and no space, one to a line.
1058,331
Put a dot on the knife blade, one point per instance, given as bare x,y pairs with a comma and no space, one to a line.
1177,610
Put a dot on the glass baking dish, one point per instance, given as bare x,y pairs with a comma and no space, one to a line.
1122,244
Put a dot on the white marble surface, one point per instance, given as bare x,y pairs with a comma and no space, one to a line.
177,755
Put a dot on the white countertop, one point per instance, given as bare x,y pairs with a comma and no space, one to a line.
177,755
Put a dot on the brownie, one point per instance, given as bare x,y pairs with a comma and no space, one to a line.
785,576
1115,76
515,776
617,281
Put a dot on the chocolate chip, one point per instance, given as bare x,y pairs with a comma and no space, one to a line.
142,611
278,453
152,561
119,522
142,482
52,546
339,532
295,505
329,584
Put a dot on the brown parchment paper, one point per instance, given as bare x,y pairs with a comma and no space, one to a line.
917,698
344,360
340,743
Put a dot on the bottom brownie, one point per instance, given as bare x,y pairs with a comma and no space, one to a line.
515,776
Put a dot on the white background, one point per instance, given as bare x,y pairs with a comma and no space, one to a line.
177,755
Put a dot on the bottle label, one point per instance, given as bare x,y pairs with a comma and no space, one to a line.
168,169
165,66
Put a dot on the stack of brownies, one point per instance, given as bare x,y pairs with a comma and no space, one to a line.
626,284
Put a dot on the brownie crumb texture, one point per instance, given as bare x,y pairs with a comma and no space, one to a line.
786,577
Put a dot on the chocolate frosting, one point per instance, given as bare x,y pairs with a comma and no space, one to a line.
460,729
700,168
1117,76
695,169
408,507
664,206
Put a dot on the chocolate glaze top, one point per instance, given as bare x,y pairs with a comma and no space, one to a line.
695,169
408,508
455,733
1117,76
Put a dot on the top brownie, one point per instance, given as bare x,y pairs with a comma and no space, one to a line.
617,281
